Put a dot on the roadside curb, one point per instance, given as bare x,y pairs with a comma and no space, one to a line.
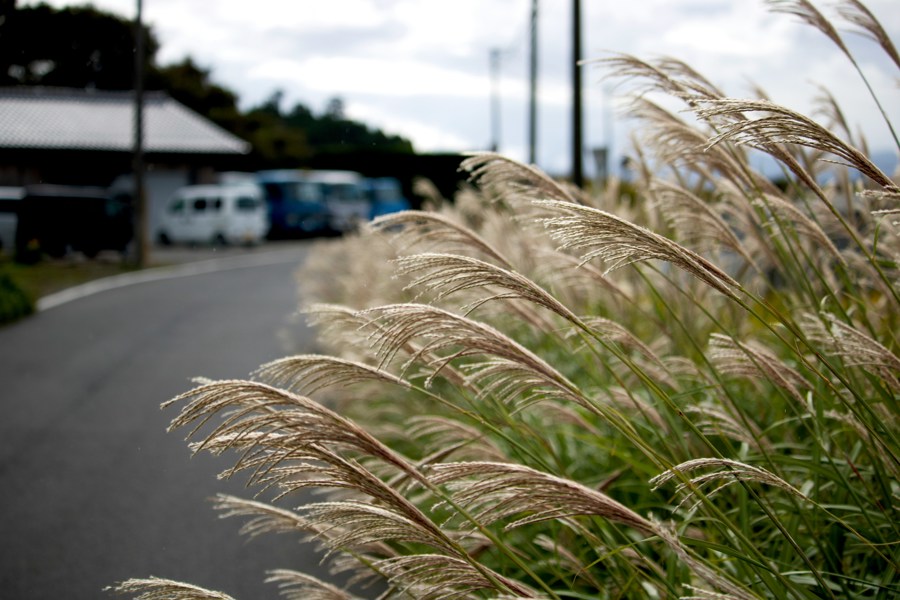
168,272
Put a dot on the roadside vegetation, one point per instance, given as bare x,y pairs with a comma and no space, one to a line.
15,302
538,392
24,284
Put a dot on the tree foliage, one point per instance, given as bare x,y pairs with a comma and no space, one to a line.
83,47
71,47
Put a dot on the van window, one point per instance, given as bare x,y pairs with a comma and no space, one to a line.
246,204
177,207
216,204
200,205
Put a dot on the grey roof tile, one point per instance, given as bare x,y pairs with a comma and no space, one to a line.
56,118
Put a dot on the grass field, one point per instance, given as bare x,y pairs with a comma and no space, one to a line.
536,391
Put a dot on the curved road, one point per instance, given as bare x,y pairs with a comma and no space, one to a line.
92,488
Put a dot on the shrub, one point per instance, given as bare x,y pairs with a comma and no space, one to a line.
534,393
14,302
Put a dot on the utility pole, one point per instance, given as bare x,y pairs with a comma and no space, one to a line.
532,95
577,142
140,200
495,99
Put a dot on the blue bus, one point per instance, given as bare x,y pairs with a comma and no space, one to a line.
297,206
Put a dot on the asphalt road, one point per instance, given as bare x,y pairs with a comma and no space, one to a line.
92,488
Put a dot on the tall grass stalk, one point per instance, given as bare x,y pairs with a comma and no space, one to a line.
683,386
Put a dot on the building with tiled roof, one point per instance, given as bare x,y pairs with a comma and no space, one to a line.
86,137
40,124
55,118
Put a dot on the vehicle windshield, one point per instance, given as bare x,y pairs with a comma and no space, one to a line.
387,194
293,191
344,192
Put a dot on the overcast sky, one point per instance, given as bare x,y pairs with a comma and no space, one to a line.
421,68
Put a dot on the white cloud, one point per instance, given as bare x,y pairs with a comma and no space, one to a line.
362,75
429,138
421,68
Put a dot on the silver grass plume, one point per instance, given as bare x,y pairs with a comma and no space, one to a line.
430,193
285,437
612,331
300,586
355,524
695,219
440,577
340,328
729,472
349,332
580,281
802,223
632,404
715,420
460,336
752,360
854,347
442,437
667,75
857,14
599,234
255,408
155,588
677,143
412,228
809,14
355,329
447,274
831,110
780,125
645,360
509,178
309,373
496,491
263,518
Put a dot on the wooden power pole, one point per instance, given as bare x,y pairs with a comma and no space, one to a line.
495,99
139,205
577,125
532,92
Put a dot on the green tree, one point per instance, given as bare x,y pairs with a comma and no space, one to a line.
333,133
276,143
72,47
192,85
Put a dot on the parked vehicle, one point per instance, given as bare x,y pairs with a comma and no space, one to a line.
10,200
296,206
54,220
217,214
385,195
345,198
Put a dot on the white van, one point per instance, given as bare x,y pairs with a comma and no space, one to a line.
217,214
